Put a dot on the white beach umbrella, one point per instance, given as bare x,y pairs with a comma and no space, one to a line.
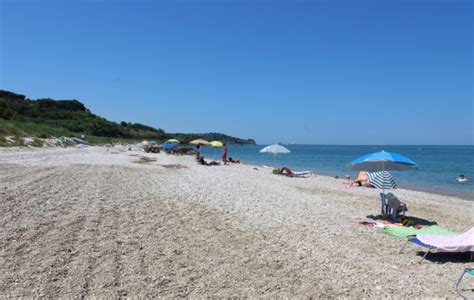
275,150
199,142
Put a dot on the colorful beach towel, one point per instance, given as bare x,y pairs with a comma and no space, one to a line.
401,231
457,243
384,223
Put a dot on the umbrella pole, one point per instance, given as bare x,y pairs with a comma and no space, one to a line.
383,170
383,188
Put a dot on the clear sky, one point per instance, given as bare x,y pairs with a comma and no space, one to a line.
315,72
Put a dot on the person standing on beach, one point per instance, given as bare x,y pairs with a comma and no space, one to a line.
224,153
198,151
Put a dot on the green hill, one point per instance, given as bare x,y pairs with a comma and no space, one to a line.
43,118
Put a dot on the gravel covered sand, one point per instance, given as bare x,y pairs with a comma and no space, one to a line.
106,222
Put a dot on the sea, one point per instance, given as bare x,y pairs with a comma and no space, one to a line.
438,166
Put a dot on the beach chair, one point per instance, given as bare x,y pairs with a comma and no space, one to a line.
384,204
452,243
469,271
302,173
392,207
416,241
290,173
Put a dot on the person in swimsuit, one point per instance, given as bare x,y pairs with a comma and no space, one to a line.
198,151
224,153
235,161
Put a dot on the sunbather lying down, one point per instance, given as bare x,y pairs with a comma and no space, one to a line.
201,161
233,160
290,173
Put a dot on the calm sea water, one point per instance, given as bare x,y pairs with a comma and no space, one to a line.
438,165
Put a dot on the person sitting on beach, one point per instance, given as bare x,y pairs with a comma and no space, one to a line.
461,178
362,179
235,161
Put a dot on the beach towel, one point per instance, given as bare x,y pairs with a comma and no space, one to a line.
402,231
383,224
458,243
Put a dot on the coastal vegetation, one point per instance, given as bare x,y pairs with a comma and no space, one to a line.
44,118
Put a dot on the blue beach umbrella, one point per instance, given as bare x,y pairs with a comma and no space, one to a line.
169,146
382,161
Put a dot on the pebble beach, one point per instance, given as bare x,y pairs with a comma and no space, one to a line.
108,222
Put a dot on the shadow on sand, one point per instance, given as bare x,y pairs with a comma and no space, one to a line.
447,257
415,220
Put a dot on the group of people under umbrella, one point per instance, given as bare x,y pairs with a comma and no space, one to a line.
171,145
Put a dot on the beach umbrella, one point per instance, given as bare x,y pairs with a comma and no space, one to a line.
381,180
172,141
275,150
216,144
169,146
382,161
199,142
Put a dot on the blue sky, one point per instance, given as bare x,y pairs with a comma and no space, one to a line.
315,72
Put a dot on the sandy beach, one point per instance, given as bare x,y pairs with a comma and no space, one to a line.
107,222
